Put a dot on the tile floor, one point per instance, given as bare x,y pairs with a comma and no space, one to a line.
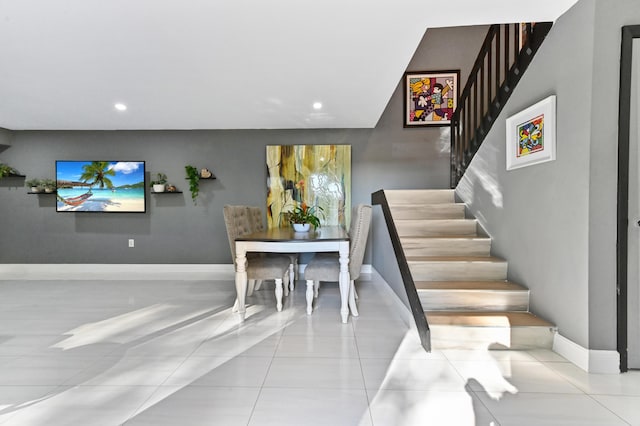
170,352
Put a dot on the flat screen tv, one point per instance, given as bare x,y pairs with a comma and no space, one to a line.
101,186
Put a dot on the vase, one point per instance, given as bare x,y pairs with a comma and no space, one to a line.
158,187
301,227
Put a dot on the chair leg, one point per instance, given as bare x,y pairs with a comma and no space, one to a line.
316,287
309,295
258,285
250,287
279,294
352,299
292,277
236,305
285,280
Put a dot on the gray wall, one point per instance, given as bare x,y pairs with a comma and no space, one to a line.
440,49
5,139
174,230
556,222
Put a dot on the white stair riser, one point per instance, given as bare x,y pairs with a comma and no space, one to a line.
428,211
458,271
436,228
517,338
446,246
426,196
474,300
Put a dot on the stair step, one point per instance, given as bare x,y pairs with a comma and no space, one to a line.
457,268
434,246
472,295
419,196
428,211
436,228
494,330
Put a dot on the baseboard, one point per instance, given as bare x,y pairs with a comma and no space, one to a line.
121,271
77,271
590,360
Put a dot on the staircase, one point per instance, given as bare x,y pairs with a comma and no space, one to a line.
464,292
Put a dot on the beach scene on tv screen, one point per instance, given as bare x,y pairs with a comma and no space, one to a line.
100,186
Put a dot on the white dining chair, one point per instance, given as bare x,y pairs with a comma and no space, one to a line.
326,267
259,266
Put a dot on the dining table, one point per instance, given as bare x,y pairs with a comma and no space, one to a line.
286,240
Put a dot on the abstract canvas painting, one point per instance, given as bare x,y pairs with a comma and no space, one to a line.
317,175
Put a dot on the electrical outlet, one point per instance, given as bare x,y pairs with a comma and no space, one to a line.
132,243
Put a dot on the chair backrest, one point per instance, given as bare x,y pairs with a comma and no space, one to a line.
256,216
238,223
358,234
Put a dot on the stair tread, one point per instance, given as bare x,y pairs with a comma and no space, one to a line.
486,319
435,205
460,220
455,259
452,237
470,285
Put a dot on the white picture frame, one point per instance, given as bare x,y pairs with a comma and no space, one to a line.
531,135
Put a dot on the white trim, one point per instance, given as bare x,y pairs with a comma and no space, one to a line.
590,360
121,271
78,271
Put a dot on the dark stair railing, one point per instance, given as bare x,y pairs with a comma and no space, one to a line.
422,326
506,53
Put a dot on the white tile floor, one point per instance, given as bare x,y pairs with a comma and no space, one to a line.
172,353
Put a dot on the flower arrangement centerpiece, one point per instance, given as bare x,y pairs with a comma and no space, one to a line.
303,214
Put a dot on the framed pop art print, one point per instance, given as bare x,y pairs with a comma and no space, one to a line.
531,135
430,97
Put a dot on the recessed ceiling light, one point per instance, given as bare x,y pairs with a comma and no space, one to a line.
317,105
120,107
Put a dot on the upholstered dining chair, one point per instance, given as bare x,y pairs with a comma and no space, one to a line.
259,266
326,267
256,216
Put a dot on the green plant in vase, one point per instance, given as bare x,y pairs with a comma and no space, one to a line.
194,182
303,214
49,185
33,184
6,170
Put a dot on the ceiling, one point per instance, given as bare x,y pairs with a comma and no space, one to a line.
219,64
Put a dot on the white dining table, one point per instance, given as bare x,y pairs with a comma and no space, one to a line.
285,240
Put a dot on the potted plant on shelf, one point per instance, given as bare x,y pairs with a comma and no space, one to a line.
194,181
303,216
49,185
159,183
6,170
34,184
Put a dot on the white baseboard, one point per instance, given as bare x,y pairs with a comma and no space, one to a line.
590,360
77,271
121,271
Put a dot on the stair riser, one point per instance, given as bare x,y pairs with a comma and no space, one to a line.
474,300
446,247
458,271
419,196
432,211
453,228
517,338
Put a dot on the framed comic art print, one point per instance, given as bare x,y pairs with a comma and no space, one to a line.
430,97
531,135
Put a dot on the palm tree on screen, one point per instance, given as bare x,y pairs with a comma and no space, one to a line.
97,173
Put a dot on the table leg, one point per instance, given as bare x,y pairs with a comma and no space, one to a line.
241,280
344,281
